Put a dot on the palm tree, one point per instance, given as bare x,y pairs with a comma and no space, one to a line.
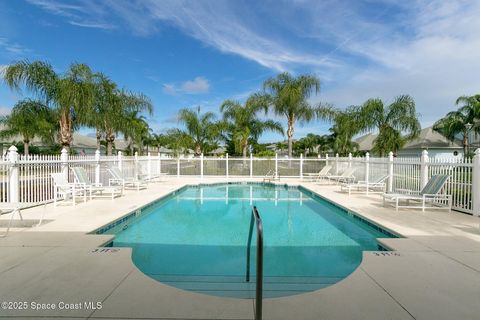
461,121
177,140
29,119
114,111
288,95
244,124
347,123
71,94
390,121
135,128
202,128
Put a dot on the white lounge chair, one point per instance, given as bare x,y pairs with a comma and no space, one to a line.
153,177
96,189
377,185
346,177
67,189
429,195
127,183
15,208
322,174
271,176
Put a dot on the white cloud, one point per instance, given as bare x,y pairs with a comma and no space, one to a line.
84,13
195,86
170,89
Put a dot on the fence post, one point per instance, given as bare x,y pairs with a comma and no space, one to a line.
97,166
390,171
120,160
226,165
13,175
135,165
276,165
178,166
301,165
149,166
367,168
326,159
476,183
201,166
423,169
159,164
336,164
350,159
251,165
64,161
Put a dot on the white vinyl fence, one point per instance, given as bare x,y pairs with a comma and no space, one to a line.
28,178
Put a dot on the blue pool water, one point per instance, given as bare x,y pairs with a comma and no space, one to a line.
196,240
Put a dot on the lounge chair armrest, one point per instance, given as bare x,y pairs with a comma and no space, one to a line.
408,191
437,195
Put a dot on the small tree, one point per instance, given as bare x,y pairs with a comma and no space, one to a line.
29,119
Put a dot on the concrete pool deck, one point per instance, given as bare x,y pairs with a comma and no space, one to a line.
434,273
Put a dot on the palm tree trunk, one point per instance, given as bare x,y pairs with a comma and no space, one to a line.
290,136
198,150
244,150
26,144
465,144
65,134
99,137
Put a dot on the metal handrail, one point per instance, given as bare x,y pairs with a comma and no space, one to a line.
255,217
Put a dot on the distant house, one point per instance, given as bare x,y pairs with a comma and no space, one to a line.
437,145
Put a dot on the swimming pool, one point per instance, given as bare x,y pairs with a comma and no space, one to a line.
195,239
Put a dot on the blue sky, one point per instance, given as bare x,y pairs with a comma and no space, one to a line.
190,53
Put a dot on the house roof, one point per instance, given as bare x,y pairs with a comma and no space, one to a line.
431,139
427,139
365,142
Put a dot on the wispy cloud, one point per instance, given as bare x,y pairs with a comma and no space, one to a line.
195,86
83,13
13,49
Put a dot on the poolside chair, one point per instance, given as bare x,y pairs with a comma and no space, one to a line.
15,208
271,176
430,194
153,177
67,189
127,183
322,174
96,189
377,185
346,177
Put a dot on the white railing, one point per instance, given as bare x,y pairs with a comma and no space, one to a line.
28,178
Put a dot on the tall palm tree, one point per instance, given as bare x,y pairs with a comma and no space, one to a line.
202,128
106,101
390,121
244,124
288,96
29,119
114,111
135,128
347,123
461,121
71,94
